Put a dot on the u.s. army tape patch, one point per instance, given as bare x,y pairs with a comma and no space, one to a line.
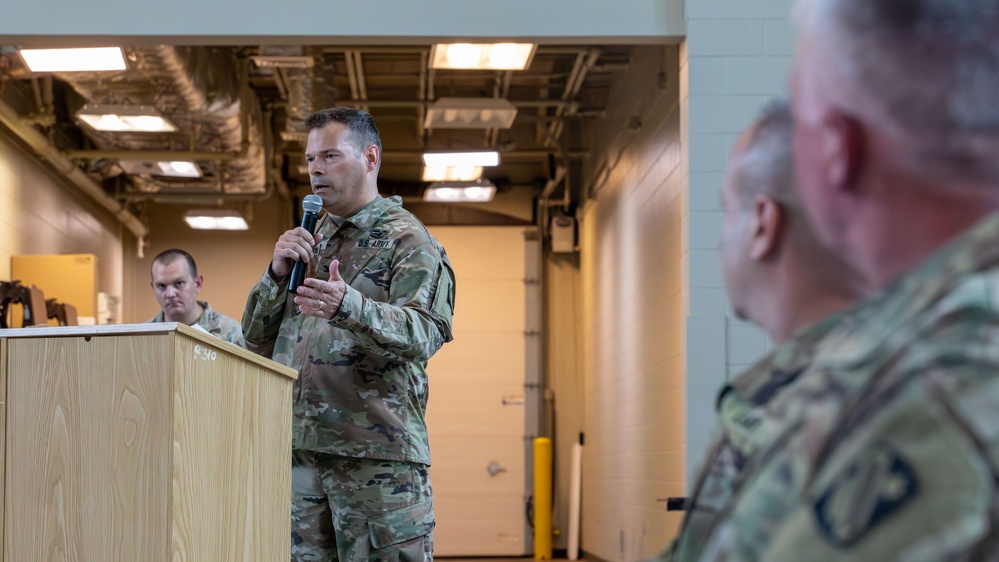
866,493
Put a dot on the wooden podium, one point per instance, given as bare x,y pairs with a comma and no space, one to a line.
143,442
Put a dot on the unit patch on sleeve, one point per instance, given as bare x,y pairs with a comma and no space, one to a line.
866,493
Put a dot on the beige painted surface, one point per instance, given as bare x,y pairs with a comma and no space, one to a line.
150,445
476,414
563,334
41,215
68,278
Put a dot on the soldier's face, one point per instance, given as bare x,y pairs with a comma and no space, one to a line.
176,291
735,237
338,169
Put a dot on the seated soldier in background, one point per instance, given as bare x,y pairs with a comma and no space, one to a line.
176,284
780,277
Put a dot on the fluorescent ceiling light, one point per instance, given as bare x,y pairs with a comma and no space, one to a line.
442,159
175,169
485,56
452,173
470,113
283,61
74,60
215,219
295,136
460,192
125,118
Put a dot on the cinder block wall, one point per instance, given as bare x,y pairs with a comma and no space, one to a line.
632,326
736,57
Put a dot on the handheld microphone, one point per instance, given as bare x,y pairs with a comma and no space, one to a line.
311,206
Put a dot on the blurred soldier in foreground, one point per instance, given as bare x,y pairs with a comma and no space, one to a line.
886,448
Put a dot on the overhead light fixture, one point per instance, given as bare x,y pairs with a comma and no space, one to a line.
175,169
442,159
480,191
74,60
295,136
125,118
283,61
452,173
215,219
483,56
470,113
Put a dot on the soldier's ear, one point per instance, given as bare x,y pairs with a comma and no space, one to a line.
768,224
198,282
371,156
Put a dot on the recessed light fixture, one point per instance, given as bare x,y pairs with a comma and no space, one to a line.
125,118
470,113
456,159
452,173
283,61
482,56
480,191
215,219
74,60
176,169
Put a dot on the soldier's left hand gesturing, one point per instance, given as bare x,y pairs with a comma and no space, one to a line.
322,298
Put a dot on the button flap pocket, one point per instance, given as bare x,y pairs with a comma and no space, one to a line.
403,524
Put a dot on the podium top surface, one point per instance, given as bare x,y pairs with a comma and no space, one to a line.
147,329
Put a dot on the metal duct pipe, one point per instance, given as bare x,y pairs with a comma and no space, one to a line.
69,170
206,91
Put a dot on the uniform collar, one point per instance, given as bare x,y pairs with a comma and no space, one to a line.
205,312
367,215
885,316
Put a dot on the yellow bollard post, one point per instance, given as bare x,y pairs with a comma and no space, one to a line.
542,498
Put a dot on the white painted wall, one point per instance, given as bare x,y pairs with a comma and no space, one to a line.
341,22
40,214
736,57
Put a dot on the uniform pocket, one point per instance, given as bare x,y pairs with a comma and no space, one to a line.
443,300
401,525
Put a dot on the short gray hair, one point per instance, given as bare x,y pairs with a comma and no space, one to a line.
930,68
766,165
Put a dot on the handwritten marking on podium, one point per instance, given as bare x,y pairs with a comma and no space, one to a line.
205,353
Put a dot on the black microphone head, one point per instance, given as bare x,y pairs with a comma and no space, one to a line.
312,203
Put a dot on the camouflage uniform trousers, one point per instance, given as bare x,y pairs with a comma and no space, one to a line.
354,509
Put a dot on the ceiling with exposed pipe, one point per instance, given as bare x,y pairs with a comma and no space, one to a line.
238,114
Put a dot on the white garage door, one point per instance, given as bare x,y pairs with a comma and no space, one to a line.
477,415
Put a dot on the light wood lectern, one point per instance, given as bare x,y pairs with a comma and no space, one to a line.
144,442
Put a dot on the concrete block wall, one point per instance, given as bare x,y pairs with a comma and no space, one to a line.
736,57
632,327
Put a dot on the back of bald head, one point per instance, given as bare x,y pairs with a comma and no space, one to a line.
765,165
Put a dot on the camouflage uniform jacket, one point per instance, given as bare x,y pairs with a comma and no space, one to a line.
362,388
744,427
216,324
887,446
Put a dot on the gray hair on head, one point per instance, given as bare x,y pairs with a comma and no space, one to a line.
766,165
929,69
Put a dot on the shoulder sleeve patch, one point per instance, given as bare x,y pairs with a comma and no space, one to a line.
870,490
